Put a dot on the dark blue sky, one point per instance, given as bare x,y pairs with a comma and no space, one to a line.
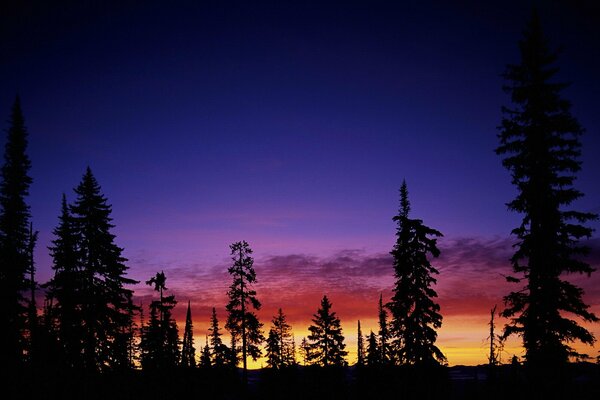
289,124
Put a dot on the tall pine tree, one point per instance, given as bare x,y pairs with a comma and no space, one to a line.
242,322
327,339
64,290
415,315
539,140
188,352
106,306
360,347
14,239
220,351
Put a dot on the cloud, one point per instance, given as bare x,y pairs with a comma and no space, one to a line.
470,282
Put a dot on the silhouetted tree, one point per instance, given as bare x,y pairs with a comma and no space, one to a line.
281,333
220,352
305,351
160,338
188,352
327,340
373,351
65,289
205,359
14,239
415,315
32,313
106,306
384,335
360,347
243,323
539,139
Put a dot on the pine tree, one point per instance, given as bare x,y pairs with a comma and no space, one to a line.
188,352
64,289
415,315
106,306
383,333
160,340
327,340
243,323
539,139
205,359
305,351
220,352
281,333
14,239
373,351
34,347
360,347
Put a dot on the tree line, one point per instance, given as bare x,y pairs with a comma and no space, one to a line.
88,320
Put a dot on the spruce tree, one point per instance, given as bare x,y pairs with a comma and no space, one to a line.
14,239
205,359
305,351
160,341
281,332
415,315
220,352
384,345
327,340
34,349
106,306
360,347
64,290
539,140
188,352
373,351
243,323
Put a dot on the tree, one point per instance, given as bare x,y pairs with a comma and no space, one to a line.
242,322
205,361
305,351
539,140
106,306
160,339
383,333
64,290
415,315
327,340
34,347
360,347
188,352
280,352
373,351
14,239
220,352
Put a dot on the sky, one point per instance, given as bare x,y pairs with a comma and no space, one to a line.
291,125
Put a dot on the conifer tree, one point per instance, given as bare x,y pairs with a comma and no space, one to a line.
105,302
34,347
415,315
327,340
373,351
64,290
242,322
160,340
281,332
220,352
539,140
188,352
305,351
205,359
360,347
14,239
384,345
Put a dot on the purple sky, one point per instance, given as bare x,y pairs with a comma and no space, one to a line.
290,126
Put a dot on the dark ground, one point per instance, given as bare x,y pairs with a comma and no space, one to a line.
579,381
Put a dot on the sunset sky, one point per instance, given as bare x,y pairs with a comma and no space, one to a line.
291,125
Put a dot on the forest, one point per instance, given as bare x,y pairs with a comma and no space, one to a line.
89,339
